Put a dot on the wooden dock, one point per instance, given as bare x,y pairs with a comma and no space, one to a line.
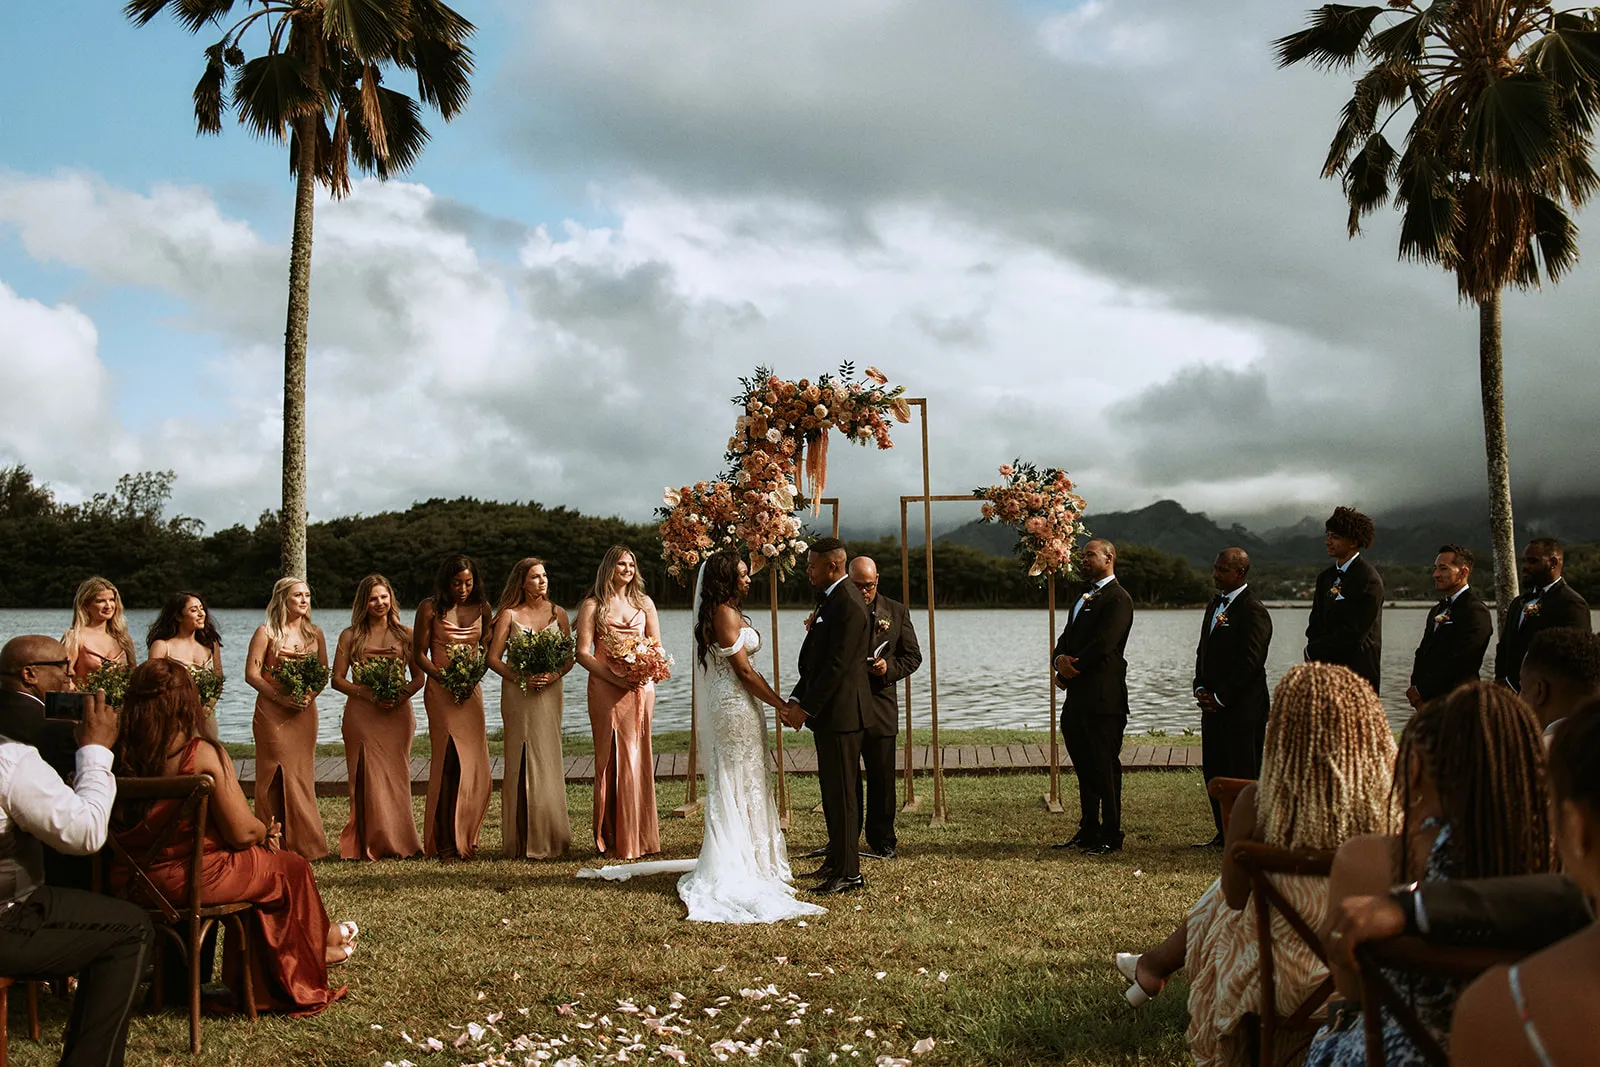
958,759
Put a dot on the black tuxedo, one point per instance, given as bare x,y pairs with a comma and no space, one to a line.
1094,711
1454,638
1230,663
1559,605
1348,629
837,698
1529,911
890,626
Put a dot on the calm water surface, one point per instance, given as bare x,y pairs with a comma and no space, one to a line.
991,666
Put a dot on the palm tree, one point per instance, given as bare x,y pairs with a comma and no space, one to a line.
324,60
1497,99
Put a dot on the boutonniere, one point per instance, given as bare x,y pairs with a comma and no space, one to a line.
1336,590
1442,618
811,620
1221,619
883,624
1530,609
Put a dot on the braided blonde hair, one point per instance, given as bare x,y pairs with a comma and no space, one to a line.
1327,772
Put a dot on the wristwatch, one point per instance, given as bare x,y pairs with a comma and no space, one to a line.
1409,899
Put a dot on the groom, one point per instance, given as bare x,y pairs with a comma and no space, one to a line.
834,698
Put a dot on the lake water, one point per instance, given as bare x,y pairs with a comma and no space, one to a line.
991,666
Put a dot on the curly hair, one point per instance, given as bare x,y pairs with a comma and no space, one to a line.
1348,522
1567,653
719,584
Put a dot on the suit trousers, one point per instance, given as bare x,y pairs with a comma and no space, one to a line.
878,807
58,932
1094,744
1230,747
839,775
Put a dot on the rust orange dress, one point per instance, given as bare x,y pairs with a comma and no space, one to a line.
288,927
458,774
286,773
625,824
377,755
89,661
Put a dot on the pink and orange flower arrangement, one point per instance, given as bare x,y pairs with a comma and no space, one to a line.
1042,507
641,660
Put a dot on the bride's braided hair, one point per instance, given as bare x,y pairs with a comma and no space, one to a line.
1327,770
719,584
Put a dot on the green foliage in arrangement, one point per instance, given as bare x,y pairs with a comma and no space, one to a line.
302,677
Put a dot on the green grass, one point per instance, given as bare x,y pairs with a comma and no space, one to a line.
1022,935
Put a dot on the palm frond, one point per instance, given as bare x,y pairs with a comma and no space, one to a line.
192,14
1556,237
1366,179
1334,38
339,165
1403,42
208,92
372,112
436,49
270,93
368,29
406,136
1431,215
1384,86
1512,129
142,11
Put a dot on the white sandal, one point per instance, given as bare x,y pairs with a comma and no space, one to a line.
1128,964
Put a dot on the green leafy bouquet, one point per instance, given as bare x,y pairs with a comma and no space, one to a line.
208,680
465,669
113,678
539,652
385,675
302,677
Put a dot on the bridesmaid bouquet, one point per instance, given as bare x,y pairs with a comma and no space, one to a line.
465,669
113,678
302,677
641,660
385,676
208,680
539,652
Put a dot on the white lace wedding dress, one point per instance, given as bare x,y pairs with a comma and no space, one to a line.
742,873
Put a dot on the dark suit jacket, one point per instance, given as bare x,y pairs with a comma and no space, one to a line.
833,687
1349,631
1562,605
1527,911
1231,659
902,658
22,719
1097,637
1452,648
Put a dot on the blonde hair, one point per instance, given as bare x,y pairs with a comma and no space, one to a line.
116,626
278,607
515,594
602,581
1327,772
360,621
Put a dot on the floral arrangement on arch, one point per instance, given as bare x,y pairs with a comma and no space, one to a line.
1042,507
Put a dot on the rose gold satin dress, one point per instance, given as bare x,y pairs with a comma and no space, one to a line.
624,767
377,755
286,752
534,823
458,775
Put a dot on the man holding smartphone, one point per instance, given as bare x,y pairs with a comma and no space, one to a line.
31,668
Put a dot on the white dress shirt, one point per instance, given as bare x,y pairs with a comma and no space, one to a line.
37,808
1087,593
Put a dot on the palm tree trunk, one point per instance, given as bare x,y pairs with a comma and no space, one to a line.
293,522
1491,383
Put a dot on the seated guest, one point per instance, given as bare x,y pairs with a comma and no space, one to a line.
1456,633
30,667
1346,624
1546,1010
1471,781
1560,674
1326,776
51,932
292,941
1548,603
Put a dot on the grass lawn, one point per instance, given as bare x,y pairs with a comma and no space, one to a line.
979,938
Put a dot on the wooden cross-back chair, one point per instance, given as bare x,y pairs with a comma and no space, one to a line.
181,916
1412,955
1225,791
33,1012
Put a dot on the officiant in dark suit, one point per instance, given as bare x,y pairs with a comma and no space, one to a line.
1347,610
1455,634
834,698
1092,670
1230,678
895,655
1549,602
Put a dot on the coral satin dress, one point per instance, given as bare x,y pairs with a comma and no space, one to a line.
458,776
624,767
286,772
377,755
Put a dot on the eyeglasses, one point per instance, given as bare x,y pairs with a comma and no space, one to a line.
864,586
60,664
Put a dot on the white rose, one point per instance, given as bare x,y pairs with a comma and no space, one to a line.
774,435
799,546
769,550
671,497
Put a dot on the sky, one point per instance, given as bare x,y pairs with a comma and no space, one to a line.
1092,234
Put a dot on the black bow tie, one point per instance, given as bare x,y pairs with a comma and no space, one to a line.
1219,601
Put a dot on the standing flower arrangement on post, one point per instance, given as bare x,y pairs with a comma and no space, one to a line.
1045,512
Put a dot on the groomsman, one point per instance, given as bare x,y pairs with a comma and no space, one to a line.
895,655
1230,678
1090,666
1347,612
1548,603
1456,633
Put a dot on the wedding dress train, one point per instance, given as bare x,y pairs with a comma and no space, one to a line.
742,873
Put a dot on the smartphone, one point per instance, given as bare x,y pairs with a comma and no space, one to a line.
65,706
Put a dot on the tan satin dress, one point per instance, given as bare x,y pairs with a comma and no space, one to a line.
377,755
458,775
534,823
625,824
286,751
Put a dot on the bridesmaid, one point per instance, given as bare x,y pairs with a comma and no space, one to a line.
377,737
184,632
458,613
99,632
620,716
286,732
533,797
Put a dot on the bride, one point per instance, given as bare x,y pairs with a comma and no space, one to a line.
742,874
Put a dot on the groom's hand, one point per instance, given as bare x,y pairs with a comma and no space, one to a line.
1067,667
793,715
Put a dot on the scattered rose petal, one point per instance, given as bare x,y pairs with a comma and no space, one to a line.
924,1045
881,975
433,1044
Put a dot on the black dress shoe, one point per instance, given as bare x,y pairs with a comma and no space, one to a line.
842,884
1215,842
1104,848
1078,840
824,872
881,853
815,854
